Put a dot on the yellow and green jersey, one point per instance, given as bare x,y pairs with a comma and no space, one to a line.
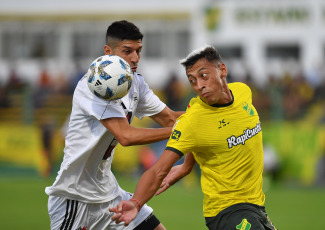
226,142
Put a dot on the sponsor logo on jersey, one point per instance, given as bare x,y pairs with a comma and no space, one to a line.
176,135
248,133
244,225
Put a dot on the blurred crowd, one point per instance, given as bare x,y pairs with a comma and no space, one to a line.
287,98
282,98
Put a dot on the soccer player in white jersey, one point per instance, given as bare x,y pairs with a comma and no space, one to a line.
85,187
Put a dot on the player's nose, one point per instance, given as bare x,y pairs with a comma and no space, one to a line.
200,84
135,57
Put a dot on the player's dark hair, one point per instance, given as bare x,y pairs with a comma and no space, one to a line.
123,30
207,52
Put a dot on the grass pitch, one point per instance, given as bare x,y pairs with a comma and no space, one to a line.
23,205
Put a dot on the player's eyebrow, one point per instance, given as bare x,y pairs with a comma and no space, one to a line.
126,47
198,71
203,68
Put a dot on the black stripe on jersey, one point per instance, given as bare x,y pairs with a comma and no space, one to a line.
73,214
175,151
70,215
129,115
66,215
124,107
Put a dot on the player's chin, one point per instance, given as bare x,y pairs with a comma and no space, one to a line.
205,99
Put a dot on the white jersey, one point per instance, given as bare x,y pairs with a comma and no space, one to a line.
85,172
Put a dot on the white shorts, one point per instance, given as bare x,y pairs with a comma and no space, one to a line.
76,215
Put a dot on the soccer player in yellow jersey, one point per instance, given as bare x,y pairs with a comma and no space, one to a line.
221,131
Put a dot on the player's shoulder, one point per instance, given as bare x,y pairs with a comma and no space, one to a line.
82,87
193,103
239,86
241,92
240,89
138,76
138,80
194,108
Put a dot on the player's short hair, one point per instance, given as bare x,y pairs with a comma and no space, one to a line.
123,30
208,52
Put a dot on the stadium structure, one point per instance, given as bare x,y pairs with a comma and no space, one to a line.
255,37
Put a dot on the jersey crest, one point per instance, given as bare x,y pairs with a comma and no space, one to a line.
244,225
248,108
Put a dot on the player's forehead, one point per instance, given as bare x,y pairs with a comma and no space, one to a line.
130,44
199,65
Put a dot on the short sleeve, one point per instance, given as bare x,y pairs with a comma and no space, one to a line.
182,140
149,104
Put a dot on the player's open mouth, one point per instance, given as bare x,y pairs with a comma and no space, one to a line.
134,69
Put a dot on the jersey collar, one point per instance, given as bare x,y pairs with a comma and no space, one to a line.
223,105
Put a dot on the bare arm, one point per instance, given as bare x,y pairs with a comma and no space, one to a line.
152,178
128,135
177,173
167,117
149,183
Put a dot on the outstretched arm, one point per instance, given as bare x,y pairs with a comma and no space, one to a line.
148,184
128,135
167,117
177,173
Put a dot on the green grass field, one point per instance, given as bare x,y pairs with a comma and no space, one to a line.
24,205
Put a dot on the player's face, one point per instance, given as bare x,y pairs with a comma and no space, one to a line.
208,81
129,50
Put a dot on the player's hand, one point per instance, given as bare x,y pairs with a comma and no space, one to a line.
172,177
125,212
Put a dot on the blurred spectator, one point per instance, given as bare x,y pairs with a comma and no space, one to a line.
320,92
80,72
4,98
147,158
43,89
14,83
174,92
60,85
275,93
47,131
298,95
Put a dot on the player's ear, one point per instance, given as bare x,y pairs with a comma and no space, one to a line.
223,68
108,50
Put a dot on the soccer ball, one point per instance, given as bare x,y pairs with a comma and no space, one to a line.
110,77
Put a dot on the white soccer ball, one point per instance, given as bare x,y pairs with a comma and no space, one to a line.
110,77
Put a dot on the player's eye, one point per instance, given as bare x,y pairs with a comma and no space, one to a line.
127,51
192,80
204,75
